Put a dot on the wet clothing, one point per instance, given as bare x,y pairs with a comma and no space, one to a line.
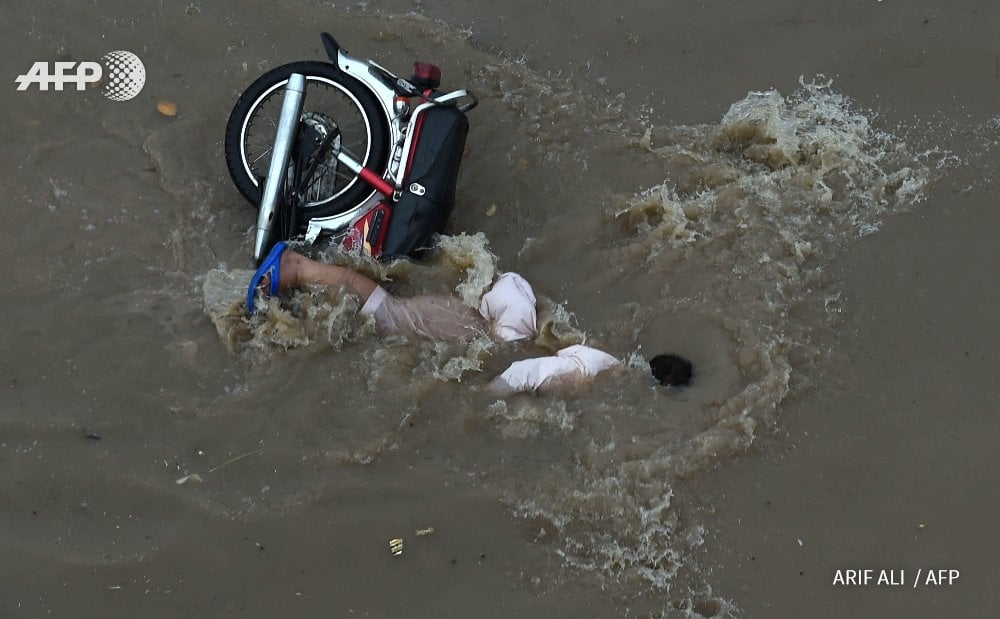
435,317
575,363
508,311
509,306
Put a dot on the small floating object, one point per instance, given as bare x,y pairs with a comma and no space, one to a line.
396,546
195,478
167,108
423,532
491,211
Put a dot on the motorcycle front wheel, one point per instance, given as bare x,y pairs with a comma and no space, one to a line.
335,102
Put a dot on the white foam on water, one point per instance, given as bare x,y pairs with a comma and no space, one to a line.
528,418
318,315
470,255
758,205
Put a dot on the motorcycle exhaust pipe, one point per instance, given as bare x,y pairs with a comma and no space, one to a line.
284,137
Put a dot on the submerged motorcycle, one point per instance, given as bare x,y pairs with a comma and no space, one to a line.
348,149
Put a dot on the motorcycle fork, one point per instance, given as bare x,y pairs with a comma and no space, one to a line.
277,171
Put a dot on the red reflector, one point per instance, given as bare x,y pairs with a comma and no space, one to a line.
427,71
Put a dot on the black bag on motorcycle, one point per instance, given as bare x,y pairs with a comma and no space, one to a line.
429,195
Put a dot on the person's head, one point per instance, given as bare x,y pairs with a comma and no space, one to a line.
671,370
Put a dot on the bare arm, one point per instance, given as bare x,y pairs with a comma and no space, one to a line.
297,270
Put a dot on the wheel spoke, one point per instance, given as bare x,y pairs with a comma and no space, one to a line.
257,158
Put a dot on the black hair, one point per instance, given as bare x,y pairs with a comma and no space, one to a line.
671,370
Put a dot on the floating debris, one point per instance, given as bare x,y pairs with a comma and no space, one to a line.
396,546
237,458
423,532
167,108
194,478
491,211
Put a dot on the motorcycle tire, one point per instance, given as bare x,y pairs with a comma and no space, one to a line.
329,92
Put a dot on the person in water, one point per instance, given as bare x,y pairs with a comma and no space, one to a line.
507,311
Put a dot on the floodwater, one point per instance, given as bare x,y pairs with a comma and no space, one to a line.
797,196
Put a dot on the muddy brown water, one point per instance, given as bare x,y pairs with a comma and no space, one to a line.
669,177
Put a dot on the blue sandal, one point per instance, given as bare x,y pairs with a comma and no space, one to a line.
268,267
